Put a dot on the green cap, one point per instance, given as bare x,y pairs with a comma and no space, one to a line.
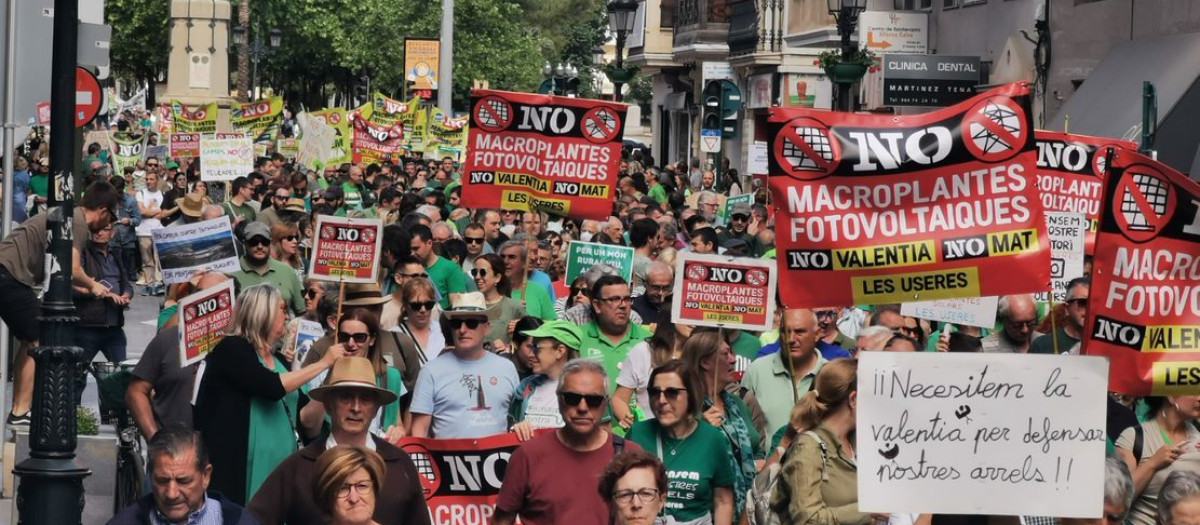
564,332
172,165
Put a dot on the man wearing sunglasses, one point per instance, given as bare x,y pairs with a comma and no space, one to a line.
1069,333
281,192
1019,316
553,478
736,228
258,267
475,238
466,391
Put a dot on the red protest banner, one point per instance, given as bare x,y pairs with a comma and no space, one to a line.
185,145
1070,174
735,293
204,316
346,249
880,209
1144,308
461,477
375,143
555,154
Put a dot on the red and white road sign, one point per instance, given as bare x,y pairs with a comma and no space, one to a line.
87,97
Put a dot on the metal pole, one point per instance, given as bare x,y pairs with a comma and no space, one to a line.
845,27
9,145
620,65
446,59
51,489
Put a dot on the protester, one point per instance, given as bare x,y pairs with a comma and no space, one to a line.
125,241
281,193
285,247
238,207
150,202
1069,334
1180,499
778,383
666,344
523,349
612,334
446,276
257,267
1118,495
1168,442
1018,314
246,387
179,472
418,335
404,269
101,320
347,485
534,404
491,281
635,486
553,478
659,285
533,296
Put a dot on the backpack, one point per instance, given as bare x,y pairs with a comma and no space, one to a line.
767,501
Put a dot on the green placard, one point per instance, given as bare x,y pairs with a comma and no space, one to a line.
747,198
583,255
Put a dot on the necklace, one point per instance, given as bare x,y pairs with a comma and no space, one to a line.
674,448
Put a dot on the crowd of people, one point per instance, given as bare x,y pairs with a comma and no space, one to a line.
472,330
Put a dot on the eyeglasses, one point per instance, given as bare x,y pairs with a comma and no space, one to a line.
617,300
282,197
825,313
359,338
671,393
1079,301
258,241
573,399
479,272
625,497
471,323
155,165
414,275
659,288
361,488
421,305
292,238
1022,324
473,240
311,294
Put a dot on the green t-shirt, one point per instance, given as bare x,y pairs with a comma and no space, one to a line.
695,466
353,196
272,436
245,211
40,184
596,345
1045,343
448,278
659,194
747,346
537,301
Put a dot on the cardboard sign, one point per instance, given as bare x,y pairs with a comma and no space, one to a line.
307,333
337,119
881,209
973,433
461,478
184,145
972,311
204,316
186,247
224,159
346,249
1144,308
1067,232
736,293
559,155
316,143
730,203
758,163
159,152
1070,174
583,255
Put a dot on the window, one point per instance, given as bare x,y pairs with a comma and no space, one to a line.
973,2
949,4
913,5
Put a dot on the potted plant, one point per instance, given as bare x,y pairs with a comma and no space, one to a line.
623,74
846,70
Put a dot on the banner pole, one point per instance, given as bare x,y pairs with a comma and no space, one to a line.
784,340
720,339
341,297
1053,328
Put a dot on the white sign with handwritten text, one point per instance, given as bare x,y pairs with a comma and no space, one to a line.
998,434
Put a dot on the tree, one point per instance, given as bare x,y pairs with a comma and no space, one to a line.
581,35
140,39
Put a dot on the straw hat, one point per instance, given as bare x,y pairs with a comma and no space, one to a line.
470,305
351,373
191,204
364,294
294,205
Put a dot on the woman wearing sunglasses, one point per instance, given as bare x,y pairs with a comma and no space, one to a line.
577,294
285,247
314,291
697,456
417,306
357,334
488,274
535,402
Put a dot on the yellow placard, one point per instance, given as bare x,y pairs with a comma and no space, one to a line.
1012,242
885,255
916,286
1176,378
1167,338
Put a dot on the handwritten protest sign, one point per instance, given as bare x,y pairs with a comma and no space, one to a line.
185,145
461,477
559,155
584,255
711,290
974,433
880,209
1070,174
337,119
184,248
203,317
971,311
1067,233
225,158
346,249
1144,312
307,333
316,145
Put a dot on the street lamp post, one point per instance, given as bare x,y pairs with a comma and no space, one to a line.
561,79
597,65
621,15
257,50
846,13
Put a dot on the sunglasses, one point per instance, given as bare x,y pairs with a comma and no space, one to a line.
579,291
258,241
825,313
473,240
573,399
471,323
421,305
282,197
292,238
311,294
414,275
671,393
740,218
359,338
1080,302
479,272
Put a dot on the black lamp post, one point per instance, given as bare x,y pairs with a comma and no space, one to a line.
621,15
846,12
256,49
561,79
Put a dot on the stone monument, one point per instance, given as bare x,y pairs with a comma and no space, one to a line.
198,70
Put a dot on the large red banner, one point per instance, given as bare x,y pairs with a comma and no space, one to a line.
1144,308
375,143
1070,174
881,209
555,154
461,477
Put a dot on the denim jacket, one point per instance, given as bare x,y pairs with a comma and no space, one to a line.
125,234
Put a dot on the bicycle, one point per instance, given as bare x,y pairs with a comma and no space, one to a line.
112,380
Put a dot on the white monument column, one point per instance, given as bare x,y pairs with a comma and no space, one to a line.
198,70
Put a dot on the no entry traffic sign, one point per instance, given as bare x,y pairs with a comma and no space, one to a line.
87,97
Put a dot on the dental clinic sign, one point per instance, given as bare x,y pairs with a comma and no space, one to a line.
929,80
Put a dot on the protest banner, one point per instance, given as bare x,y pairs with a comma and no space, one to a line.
259,120
337,119
374,143
461,477
160,152
165,124
1144,308
127,150
1070,173
1067,232
203,318
194,119
183,248
101,137
316,142
879,209
388,112
346,250
735,293
583,255
288,147
225,159
446,136
307,333
555,154
974,433
971,311
417,138
185,145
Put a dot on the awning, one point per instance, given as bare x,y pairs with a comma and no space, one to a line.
1109,103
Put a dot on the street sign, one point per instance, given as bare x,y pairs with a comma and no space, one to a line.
892,32
87,97
928,80
710,141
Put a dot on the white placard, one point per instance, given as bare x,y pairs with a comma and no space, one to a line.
716,71
224,159
183,248
316,144
973,311
757,163
1067,233
997,434
893,32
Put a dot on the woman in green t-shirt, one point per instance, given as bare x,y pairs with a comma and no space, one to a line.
697,456
493,284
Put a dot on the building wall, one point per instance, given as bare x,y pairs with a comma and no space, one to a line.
979,29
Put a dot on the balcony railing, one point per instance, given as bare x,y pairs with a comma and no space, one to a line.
756,26
693,12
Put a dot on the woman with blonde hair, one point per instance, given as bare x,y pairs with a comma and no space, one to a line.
346,484
285,247
417,330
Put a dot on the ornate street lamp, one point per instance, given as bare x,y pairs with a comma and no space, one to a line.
621,16
846,13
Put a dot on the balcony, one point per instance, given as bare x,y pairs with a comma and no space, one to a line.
756,32
701,30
